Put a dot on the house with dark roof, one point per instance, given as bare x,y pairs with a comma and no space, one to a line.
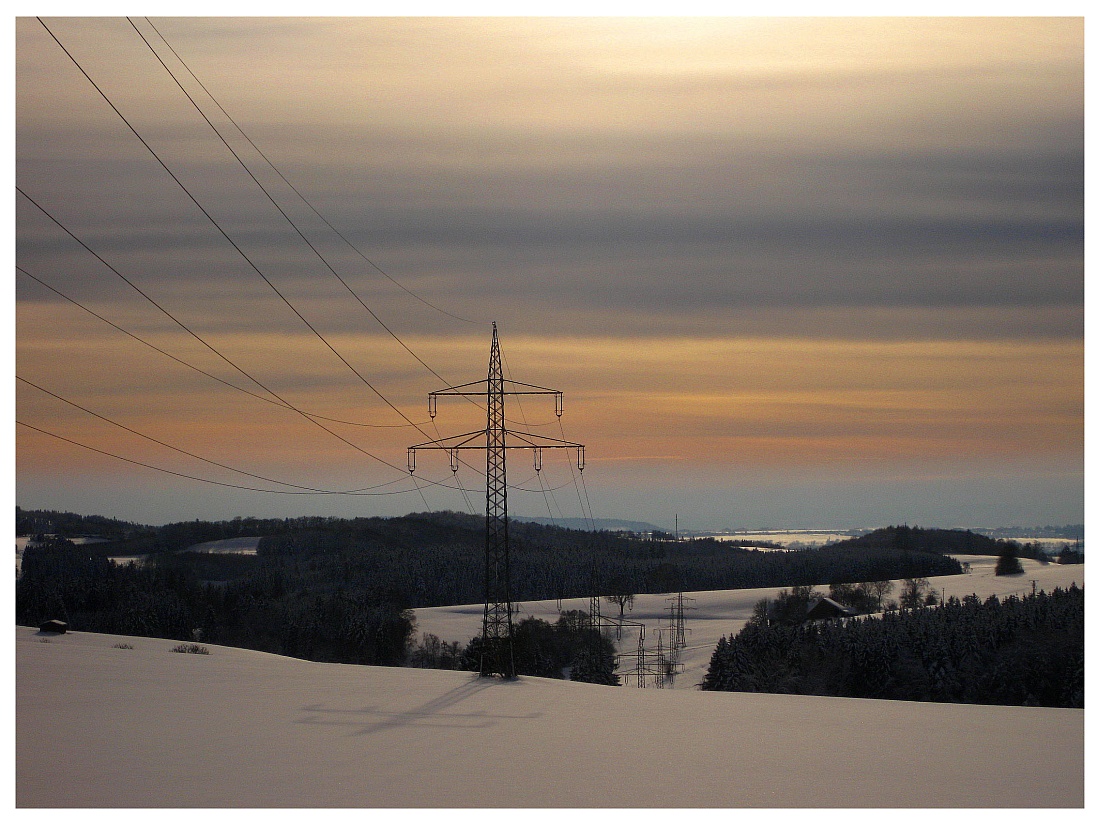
826,608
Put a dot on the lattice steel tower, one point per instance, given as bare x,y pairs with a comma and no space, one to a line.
497,623
496,632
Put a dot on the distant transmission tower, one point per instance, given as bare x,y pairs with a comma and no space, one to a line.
496,630
662,663
676,626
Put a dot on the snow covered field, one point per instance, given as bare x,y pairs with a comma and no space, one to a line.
708,616
100,726
244,546
807,538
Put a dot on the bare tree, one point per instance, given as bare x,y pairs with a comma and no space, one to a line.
761,613
914,592
623,600
876,592
620,590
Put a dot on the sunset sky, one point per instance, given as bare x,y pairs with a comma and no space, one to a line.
788,272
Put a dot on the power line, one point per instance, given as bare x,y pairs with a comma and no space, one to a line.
538,455
296,190
278,403
198,338
579,487
206,480
190,366
366,491
316,491
422,497
581,500
181,450
248,260
289,220
223,233
274,203
546,499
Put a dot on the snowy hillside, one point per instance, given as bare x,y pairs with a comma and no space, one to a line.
103,726
99,726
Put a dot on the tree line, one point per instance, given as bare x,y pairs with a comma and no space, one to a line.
272,605
246,603
1019,651
568,646
344,589
426,557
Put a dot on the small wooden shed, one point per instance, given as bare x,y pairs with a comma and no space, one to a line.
53,626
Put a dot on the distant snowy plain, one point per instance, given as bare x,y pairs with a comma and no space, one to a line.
106,727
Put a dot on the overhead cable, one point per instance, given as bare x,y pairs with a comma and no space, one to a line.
191,366
188,453
280,209
204,343
224,234
205,480
296,190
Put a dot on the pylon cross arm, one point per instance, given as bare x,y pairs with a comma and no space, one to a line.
483,388
470,441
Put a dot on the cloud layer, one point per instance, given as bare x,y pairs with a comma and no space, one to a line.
714,224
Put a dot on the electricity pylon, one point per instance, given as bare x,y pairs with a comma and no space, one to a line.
676,627
496,629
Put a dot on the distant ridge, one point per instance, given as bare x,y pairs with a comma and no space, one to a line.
612,524
930,540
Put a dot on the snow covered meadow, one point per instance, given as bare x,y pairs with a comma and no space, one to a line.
99,725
